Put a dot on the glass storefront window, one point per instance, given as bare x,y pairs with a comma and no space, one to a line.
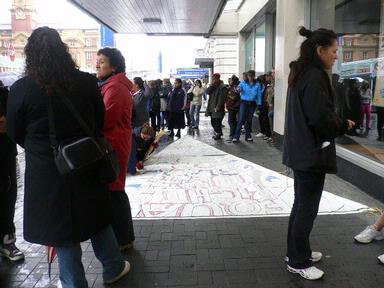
260,49
358,76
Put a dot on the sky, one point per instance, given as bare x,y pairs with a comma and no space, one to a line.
141,51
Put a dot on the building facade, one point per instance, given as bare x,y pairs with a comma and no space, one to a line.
83,43
267,32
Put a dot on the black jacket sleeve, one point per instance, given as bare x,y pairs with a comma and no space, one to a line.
318,108
16,124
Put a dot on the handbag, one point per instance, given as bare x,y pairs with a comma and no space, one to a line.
77,155
190,96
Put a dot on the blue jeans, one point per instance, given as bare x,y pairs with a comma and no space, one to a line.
163,118
132,158
195,115
107,251
247,109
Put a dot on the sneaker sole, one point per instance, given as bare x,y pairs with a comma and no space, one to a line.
293,271
123,273
369,241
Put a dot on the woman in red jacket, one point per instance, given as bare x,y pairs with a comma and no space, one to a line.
116,90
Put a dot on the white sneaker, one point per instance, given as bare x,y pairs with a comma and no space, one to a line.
315,257
381,258
235,140
310,273
125,271
260,135
369,234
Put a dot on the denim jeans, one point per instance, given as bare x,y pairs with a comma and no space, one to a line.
106,250
163,118
195,115
308,189
132,158
232,121
247,109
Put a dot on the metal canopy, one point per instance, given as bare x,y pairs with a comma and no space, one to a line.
156,17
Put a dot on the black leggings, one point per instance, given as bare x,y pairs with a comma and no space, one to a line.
8,194
122,218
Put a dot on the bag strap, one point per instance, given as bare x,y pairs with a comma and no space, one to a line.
75,114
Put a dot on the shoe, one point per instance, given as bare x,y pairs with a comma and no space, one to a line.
310,273
178,135
315,257
125,271
259,135
235,140
265,138
269,140
11,252
217,137
368,235
249,139
379,139
127,246
381,258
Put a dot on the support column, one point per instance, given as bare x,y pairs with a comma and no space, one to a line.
241,48
290,14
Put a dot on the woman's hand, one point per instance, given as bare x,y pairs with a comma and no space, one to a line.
351,124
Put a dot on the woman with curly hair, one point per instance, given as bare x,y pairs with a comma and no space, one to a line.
61,211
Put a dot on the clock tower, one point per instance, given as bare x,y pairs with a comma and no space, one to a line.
23,14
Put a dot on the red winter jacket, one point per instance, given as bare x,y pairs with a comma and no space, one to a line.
117,129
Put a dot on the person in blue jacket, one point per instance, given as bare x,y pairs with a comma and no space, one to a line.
251,94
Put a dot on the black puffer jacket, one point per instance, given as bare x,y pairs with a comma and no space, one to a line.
310,123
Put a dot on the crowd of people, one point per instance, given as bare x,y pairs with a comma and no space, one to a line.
354,100
62,210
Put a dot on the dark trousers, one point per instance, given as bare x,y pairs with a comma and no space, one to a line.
122,217
155,119
264,121
247,109
308,189
232,121
188,116
217,125
8,194
163,118
380,121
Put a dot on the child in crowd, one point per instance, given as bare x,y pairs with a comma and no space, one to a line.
144,140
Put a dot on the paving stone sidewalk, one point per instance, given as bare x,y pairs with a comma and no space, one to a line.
226,252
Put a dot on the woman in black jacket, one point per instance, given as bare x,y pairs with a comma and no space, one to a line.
61,211
309,148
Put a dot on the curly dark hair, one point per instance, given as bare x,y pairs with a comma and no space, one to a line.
116,59
48,61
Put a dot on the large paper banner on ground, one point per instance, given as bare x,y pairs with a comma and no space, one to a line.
190,179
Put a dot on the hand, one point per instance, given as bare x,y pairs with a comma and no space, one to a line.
351,124
3,123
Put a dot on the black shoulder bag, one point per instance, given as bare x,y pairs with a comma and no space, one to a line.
80,154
